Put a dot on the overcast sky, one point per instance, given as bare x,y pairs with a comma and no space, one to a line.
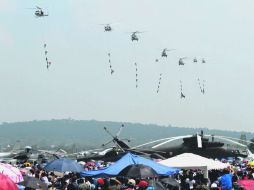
79,85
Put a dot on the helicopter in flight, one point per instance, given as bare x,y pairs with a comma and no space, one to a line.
39,12
181,62
134,36
107,27
164,52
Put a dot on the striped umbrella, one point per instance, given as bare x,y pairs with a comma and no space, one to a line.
13,173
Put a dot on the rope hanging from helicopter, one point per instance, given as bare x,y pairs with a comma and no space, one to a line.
41,15
110,65
163,64
181,64
136,68
201,87
48,63
135,41
181,90
107,31
159,83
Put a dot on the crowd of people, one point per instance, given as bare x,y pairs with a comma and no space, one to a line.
238,176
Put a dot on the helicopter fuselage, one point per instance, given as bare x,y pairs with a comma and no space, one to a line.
134,37
40,13
107,28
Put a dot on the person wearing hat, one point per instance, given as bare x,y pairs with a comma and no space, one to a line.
214,186
114,184
142,185
100,184
131,184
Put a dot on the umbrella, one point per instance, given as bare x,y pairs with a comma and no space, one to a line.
251,163
170,181
34,183
247,184
6,183
13,173
64,165
157,185
138,171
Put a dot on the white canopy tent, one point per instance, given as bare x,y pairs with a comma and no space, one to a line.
193,161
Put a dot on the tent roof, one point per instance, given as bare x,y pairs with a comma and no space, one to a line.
193,161
127,160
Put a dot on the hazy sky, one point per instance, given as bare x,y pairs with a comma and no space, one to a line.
79,85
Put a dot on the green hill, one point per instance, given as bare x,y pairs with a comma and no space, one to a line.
80,134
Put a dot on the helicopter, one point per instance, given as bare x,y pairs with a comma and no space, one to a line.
181,62
119,148
201,144
39,12
134,36
107,27
195,60
164,52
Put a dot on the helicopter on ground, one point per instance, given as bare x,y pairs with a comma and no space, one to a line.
164,52
119,148
198,144
29,154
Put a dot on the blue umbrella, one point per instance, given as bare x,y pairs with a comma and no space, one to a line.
64,165
130,159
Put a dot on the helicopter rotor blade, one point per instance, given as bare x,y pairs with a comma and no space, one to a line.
38,7
120,130
147,150
128,140
105,128
151,142
140,32
158,140
105,144
229,140
170,49
139,152
170,140
237,139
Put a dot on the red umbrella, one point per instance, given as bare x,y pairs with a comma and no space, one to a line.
6,183
248,184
